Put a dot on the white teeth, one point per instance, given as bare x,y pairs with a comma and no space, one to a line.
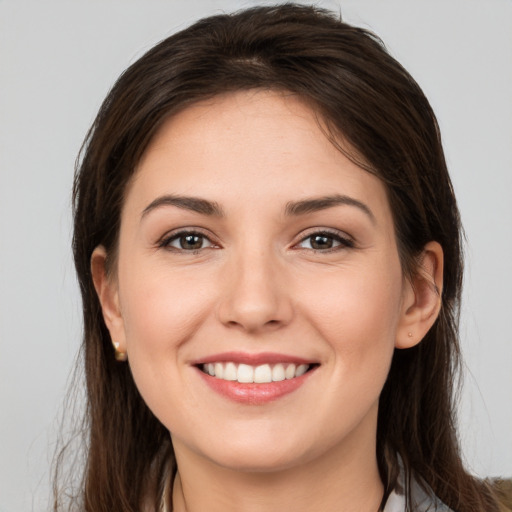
301,370
230,372
245,373
290,371
278,373
261,374
219,370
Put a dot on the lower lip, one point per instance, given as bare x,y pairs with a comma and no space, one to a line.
252,393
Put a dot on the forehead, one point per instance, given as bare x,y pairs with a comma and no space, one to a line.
253,144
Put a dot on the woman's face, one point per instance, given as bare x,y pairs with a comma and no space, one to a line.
251,249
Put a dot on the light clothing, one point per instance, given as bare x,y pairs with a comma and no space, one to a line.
420,500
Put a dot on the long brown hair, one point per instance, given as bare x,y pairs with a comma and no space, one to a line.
363,95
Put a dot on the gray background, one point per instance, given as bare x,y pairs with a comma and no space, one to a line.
57,62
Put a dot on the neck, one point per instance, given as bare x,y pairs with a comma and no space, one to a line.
342,480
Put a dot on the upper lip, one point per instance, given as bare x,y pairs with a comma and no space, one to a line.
252,359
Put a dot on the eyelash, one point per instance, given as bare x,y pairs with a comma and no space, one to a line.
343,242
165,243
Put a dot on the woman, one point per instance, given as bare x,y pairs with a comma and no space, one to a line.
268,248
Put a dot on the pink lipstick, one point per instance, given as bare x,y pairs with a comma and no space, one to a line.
254,379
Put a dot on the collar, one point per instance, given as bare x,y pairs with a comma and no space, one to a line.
421,500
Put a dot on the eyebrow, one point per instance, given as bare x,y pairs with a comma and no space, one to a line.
293,208
322,203
194,204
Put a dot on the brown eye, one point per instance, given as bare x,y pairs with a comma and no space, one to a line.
325,241
187,241
319,242
191,242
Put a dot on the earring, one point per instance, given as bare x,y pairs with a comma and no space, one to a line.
118,354
409,334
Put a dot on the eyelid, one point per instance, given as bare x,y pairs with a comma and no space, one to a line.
345,240
164,240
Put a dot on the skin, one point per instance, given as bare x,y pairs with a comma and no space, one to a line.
258,285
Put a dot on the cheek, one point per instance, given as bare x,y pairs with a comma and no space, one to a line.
161,312
161,307
357,311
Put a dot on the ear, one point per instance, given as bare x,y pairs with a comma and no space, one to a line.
421,301
108,294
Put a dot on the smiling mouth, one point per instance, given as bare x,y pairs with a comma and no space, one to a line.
260,374
254,379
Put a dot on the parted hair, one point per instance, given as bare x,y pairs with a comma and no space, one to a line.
365,98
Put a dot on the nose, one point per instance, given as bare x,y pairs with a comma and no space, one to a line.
256,297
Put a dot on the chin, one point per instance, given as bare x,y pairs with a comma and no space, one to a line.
263,452
259,461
